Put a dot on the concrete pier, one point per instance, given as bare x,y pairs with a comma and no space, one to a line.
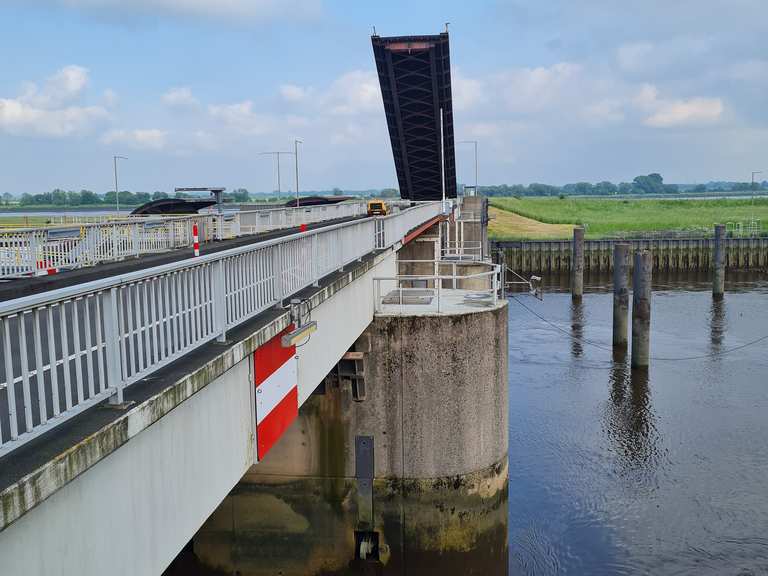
414,473
620,294
641,309
577,267
718,277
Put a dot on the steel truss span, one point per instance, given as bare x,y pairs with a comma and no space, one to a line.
415,77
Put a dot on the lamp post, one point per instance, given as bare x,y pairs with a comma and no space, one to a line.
474,142
277,154
117,189
752,190
296,142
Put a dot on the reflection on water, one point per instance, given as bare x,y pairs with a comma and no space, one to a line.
614,471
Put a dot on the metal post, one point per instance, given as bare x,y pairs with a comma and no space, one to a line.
219,300
112,345
620,294
641,309
577,264
442,157
117,189
718,279
296,143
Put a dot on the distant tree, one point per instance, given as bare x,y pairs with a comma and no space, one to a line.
141,197
59,197
88,198
606,188
625,188
159,195
239,195
699,188
650,184
583,188
7,198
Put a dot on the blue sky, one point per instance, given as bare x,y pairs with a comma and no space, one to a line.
555,91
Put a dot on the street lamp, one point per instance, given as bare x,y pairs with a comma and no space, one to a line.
752,189
277,154
117,190
474,142
296,142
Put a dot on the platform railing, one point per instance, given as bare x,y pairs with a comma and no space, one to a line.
30,251
66,350
444,291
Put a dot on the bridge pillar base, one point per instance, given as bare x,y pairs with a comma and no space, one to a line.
431,496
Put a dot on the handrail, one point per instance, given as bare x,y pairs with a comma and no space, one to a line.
42,250
66,350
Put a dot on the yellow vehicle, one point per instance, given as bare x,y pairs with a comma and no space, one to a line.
377,208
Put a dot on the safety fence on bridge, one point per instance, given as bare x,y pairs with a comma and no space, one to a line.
30,251
66,350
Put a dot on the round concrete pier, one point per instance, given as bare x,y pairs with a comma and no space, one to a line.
418,465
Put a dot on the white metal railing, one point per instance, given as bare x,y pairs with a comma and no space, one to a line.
65,350
438,292
462,249
26,251
255,221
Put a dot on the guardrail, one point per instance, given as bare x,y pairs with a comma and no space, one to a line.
437,293
66,350
29,251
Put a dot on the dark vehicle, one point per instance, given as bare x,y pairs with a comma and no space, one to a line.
172,206
317,200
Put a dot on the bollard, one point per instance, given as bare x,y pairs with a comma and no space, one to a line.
718,278
195,240
620,294
641,309
577,264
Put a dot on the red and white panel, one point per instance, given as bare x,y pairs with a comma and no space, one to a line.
277,394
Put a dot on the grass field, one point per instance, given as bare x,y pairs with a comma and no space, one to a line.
23,221
616,217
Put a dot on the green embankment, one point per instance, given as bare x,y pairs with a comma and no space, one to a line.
612,217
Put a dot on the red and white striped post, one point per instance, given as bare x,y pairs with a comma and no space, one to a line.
195,239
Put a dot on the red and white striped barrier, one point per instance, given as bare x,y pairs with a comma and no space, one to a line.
195,240
44,268
277,393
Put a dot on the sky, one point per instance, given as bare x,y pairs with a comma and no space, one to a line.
554,91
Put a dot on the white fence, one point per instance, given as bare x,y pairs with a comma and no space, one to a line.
28,251
65,350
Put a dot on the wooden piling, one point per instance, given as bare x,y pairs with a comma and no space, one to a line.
718,276
577,264
641,309
620,294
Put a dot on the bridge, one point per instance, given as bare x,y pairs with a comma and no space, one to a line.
132,404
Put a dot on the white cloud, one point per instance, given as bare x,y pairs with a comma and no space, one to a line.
686,112
241,118
667,113
466,92
672,53
180,98
50,110
531,89
355,92
140,139
236,10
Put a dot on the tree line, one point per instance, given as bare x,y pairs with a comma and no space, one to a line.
646,184
64,198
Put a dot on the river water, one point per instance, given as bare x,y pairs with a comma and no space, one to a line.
664,472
